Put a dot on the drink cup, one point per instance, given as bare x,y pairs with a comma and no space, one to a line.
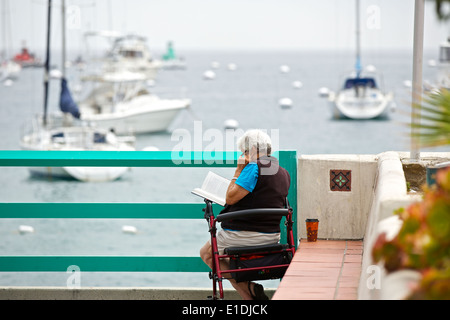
312,226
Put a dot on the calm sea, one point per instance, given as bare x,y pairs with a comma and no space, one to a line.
249,94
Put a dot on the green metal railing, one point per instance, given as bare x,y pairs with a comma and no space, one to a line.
288,160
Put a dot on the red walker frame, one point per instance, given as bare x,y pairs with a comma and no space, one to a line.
216,273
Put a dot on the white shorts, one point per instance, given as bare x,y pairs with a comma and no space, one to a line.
230,238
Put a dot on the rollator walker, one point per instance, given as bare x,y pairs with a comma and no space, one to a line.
251,263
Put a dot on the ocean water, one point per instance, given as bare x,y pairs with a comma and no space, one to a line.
250,95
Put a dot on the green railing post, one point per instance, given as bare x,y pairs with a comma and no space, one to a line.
288,160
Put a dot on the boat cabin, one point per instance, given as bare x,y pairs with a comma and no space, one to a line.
360,82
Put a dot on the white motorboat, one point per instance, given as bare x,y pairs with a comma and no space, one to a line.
360,97
128,53
122,102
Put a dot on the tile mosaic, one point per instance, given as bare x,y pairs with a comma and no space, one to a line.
340,180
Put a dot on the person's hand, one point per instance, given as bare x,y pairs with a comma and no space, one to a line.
241,163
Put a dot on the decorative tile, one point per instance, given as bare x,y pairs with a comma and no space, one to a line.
340,180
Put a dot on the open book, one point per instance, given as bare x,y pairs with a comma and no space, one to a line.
214,188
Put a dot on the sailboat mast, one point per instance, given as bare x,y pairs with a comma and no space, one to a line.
358,40
64,53
47,61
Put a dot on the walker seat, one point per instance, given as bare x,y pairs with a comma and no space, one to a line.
262,262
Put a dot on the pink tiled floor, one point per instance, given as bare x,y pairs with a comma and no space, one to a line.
323,270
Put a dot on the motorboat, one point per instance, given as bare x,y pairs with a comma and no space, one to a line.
122,101
130,53
26,59
170,61
361,97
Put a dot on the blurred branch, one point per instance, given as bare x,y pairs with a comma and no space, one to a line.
434,129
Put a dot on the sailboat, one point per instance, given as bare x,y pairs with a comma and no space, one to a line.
50,133
9,70
360,97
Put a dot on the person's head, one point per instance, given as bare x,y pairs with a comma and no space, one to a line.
255,143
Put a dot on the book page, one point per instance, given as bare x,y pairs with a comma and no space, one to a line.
214,188
216,184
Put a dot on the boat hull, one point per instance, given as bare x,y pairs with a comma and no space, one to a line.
373,106
40,142
136,120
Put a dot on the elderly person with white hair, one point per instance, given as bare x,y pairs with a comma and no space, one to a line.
258,182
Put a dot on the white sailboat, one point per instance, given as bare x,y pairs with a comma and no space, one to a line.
360,97
9,70
76,138
58,134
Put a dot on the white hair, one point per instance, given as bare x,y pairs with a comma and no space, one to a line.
255,138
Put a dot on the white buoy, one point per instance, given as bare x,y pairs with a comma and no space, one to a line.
215,65
231,124
150,148
23,229
8,83
150,83
77,88
324,92
209,75
297,84
432,63
55,74
393,106
371,68
129,229
232,66
407,83
285,103
284,69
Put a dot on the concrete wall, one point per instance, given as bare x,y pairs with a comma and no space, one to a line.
342,214
390,194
